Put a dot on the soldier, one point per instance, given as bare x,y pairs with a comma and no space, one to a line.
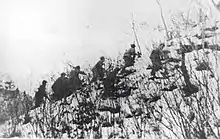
59,86
40,94
129,56
109,82
98,70
74,77
155,57
27,102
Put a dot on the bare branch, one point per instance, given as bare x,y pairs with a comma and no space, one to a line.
162,17
135,34
217,6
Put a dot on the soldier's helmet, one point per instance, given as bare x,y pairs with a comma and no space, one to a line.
162,45
102,58
133,46
78,67
44,82
63,74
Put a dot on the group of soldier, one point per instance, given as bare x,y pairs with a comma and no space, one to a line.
63,85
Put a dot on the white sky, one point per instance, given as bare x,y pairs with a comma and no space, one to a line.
37,35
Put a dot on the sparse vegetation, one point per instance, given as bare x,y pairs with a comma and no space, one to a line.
180,101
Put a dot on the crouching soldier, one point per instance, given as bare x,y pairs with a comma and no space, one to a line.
98,70
59,87
129,57
74,77
155,57
40,94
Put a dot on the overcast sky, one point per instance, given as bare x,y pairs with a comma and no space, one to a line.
36,36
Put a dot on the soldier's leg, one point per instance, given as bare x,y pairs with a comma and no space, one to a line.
130,62
101,75
153,73
37,102
154,70
126,63
78,84
73,84
94,78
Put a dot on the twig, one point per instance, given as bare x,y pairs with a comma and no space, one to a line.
162,17
135,35
217,6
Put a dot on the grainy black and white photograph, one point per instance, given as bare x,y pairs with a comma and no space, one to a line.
110,69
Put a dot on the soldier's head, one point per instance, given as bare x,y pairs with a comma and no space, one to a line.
77,68
162,45
63,74
133,46
44,82
102,58
117,69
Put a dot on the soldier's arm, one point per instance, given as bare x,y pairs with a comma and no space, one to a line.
133,52
46,96
82,72
101,65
